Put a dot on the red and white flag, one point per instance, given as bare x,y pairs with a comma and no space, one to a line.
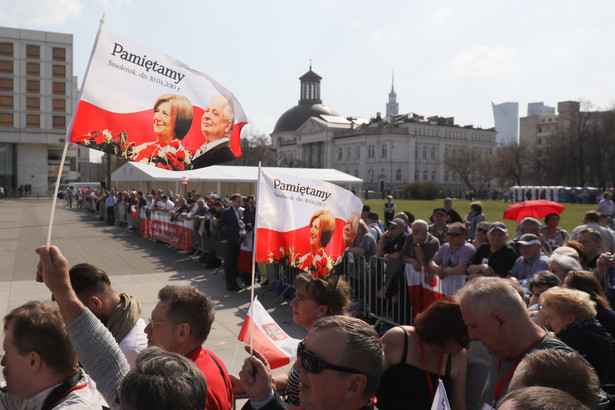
304,223
269,339
148,107
424,287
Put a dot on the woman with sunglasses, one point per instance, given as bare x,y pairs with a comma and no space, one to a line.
416,357
480,236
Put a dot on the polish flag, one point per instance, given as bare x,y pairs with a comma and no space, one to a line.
304,223
123,83
269,339
424,287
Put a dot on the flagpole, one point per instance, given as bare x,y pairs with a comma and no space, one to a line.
258,199
67,139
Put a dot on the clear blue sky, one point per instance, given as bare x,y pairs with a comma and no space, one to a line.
450,58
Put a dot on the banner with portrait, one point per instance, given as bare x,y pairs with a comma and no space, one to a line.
304,223
146,106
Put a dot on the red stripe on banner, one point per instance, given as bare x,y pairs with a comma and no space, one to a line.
138,127
275,357
269,241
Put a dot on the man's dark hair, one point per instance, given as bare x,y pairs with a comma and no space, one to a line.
542,398
234,197
566,371
544,278
189,305
362,350
86,278
163,380
39,327
592,216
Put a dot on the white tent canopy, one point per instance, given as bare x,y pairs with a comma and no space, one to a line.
136,173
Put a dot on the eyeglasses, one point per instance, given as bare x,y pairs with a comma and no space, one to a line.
481,230
154,324
454,234
313,364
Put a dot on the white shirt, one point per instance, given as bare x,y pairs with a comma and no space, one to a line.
134,342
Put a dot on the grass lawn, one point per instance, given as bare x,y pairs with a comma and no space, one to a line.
494,210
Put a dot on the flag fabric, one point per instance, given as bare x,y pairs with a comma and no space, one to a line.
148,107
424,287
269,339
304,223
244,262
440,400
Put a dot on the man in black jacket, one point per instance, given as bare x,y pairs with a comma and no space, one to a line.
231,231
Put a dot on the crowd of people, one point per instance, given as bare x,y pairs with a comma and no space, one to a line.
530,325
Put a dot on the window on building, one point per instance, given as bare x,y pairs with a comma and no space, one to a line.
33,86
433,175
371,151
424,152
33,103
6,101
59,105
425,175
59,71
59,88
59,121
445,176
356,173
6,49
370,173
454,178
6,84
357,153
59,54
6,67
348,153
33,51
340,154
33,121
398,175
416,152
384,151
433,153
416,174
33,69
6,119
539,141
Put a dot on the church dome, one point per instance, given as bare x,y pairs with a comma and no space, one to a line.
310,105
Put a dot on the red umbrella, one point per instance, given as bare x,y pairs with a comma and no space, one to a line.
538,209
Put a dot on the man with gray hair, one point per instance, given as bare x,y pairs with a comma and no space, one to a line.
592,220
420,246
217,126
496,315
341,361
560,265
530,225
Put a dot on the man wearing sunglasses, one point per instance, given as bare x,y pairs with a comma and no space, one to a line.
341,362
453,257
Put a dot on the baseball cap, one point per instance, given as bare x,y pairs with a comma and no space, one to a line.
498,225
529,239
440,210
398,221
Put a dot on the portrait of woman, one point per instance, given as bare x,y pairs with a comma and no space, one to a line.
173,115
322,227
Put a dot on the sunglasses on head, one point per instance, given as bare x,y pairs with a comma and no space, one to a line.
313,364
454,234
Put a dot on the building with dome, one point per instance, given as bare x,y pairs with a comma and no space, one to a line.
385,152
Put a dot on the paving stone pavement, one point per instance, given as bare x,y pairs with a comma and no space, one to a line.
135,265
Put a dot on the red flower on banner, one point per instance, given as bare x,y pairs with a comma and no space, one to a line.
167,155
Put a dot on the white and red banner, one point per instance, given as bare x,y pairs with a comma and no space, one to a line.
179,233
424,287
304,223
148,107
269,339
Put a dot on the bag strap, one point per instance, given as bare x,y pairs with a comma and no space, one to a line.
62,390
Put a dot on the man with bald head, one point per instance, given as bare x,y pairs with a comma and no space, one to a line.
216,125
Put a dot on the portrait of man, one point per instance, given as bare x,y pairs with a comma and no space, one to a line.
216,125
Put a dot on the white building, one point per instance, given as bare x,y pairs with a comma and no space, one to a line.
506,117
385,153
37,97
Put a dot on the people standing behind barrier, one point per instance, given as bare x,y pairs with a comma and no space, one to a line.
591,220
389,210
474,217
553,234
417,357
364,244
494,258
407,217
453,257
231,230
530,225
392,241
439,227
373,225
531,261
199,215
420,246
480,236
571,314
110,206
